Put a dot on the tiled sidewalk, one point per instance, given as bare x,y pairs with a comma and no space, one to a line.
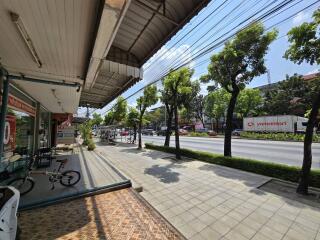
206,201
115,215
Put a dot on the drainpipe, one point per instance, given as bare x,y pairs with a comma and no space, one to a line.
5,94
36,129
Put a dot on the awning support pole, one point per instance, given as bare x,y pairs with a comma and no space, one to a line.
4,107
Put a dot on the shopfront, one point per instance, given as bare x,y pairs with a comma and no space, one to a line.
20,124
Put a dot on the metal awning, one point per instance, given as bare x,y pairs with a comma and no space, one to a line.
99,44
112,80
142,28
48,40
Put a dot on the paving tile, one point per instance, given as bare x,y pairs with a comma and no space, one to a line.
197,224
224,203
187,216
197,236
233,234
115,215
229,221
245,230
258,218
177,221
209,234
220,227
187,230
294,235
216,213
195,211
270,233
207,218
277,226
252,224
260,236
237,215
194,201
204,207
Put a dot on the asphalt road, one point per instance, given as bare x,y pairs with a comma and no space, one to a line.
290,153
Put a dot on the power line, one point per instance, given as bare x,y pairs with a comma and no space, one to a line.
200,54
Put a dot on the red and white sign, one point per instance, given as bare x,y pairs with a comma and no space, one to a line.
283,123
9,139
19,105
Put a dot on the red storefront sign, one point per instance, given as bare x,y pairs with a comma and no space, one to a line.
9,140
17,104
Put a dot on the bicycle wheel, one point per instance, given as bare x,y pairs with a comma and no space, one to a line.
70,178
24,185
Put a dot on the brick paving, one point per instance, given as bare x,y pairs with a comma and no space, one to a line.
206,201
115,215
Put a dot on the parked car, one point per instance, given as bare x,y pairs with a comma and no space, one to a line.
124,133
149,132
202,130
237,132
183,132
212,133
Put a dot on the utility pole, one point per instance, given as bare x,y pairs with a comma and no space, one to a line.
269,77
87,114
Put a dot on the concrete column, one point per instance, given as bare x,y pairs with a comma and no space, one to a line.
36,128
5,94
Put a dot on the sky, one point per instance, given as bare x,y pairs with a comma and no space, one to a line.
219,19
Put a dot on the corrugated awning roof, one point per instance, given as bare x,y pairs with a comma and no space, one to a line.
144,29
148,25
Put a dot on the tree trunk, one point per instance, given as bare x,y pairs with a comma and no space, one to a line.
228,130
202,121
134,134
217,125
168,131
307,155
178,156
140,140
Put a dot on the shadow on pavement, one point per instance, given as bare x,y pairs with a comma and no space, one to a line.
163,173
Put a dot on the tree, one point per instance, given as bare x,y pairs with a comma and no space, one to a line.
120,110
85,130
148,99
108,118
178,90
166,98
236,65
97,119
195,104
155,118
305,46
249,102
132,121
216,105
291,96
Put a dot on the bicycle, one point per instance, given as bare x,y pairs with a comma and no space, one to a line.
66,178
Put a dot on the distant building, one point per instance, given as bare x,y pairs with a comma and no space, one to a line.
272,86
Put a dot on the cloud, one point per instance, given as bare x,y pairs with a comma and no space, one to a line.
165,59
300,18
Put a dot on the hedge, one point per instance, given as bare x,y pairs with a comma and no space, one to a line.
274,170
278,136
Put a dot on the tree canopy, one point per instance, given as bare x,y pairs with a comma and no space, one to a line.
305,42
96,119
249,103
148,99
120,109
305,46
241,59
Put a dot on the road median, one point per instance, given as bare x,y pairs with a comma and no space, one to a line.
274,170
